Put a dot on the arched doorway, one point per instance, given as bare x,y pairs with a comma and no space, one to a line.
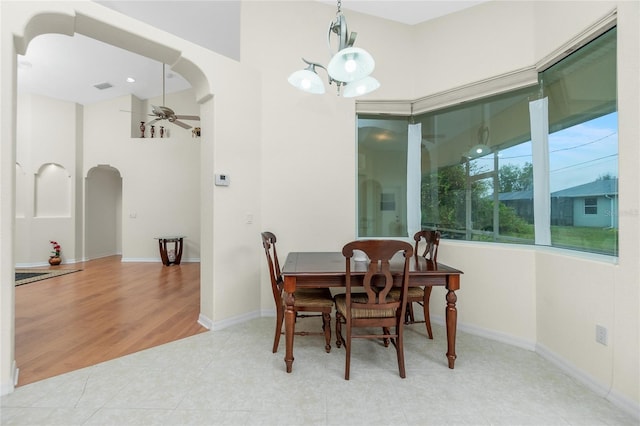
103,212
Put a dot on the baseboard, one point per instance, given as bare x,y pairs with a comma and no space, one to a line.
604,390
239,319
9,387
157,259
205,321
124,259
489,334
621,401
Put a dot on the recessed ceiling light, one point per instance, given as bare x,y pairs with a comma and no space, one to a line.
131,80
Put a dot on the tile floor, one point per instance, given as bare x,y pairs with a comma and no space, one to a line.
230,377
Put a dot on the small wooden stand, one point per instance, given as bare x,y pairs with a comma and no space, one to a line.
177,246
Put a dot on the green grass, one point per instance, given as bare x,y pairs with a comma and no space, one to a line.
593,240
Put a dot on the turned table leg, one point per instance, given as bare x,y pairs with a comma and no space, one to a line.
289,320
451,317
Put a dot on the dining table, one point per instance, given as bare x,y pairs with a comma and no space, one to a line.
328,269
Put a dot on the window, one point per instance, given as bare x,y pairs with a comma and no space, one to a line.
485,169
382,177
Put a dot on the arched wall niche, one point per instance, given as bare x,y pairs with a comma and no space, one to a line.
52,191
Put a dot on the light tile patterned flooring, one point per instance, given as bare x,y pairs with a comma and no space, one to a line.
230,377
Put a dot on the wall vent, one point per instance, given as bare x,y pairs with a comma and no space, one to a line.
102,86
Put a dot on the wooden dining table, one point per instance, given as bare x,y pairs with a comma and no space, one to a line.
328,269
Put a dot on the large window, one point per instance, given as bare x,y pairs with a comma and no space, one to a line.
537,165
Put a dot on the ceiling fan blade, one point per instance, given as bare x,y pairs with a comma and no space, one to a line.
152,121
188,117
181,124
138,113
156,110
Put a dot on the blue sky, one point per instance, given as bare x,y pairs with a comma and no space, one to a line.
578,154
584,152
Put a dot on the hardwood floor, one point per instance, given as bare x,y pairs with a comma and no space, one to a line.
107,310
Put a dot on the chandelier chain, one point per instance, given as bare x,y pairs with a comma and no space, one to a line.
339,7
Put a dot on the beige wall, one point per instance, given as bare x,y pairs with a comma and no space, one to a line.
291,158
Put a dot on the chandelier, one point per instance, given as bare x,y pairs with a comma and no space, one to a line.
349,68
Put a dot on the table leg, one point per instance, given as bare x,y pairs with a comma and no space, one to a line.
178,252
452,323
162,243
289,329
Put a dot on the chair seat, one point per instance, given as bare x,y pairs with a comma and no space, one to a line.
412,293
341,307
312,297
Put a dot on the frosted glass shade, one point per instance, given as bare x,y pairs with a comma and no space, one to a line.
307,81
351,64
361,87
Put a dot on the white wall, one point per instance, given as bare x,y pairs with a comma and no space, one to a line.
47,134
160,176
160,186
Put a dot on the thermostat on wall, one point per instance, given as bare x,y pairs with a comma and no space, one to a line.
222,180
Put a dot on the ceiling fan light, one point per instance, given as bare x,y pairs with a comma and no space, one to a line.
351,64
479,150
361,87
307,81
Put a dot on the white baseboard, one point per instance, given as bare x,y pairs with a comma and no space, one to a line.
604,390
205,321
9,387
239,319
621,401
156,259
489,334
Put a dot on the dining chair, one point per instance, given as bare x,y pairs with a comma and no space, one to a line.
317,300
372,308
430,240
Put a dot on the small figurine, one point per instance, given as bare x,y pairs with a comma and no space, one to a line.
162,131
153,131
142,128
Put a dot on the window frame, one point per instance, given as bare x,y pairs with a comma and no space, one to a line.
505,83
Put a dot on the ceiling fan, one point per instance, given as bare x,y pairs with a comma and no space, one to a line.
165,113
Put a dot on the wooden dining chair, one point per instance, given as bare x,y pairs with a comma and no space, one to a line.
373,308
306,300
430,240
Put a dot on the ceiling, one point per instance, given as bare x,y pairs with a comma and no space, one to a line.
69,68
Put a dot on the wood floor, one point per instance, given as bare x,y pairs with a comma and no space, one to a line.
107,310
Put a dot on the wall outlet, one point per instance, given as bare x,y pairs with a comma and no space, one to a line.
601,334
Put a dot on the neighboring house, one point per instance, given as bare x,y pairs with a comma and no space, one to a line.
520,201
592,204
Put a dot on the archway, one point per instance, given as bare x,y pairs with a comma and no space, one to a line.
68,24
103,212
